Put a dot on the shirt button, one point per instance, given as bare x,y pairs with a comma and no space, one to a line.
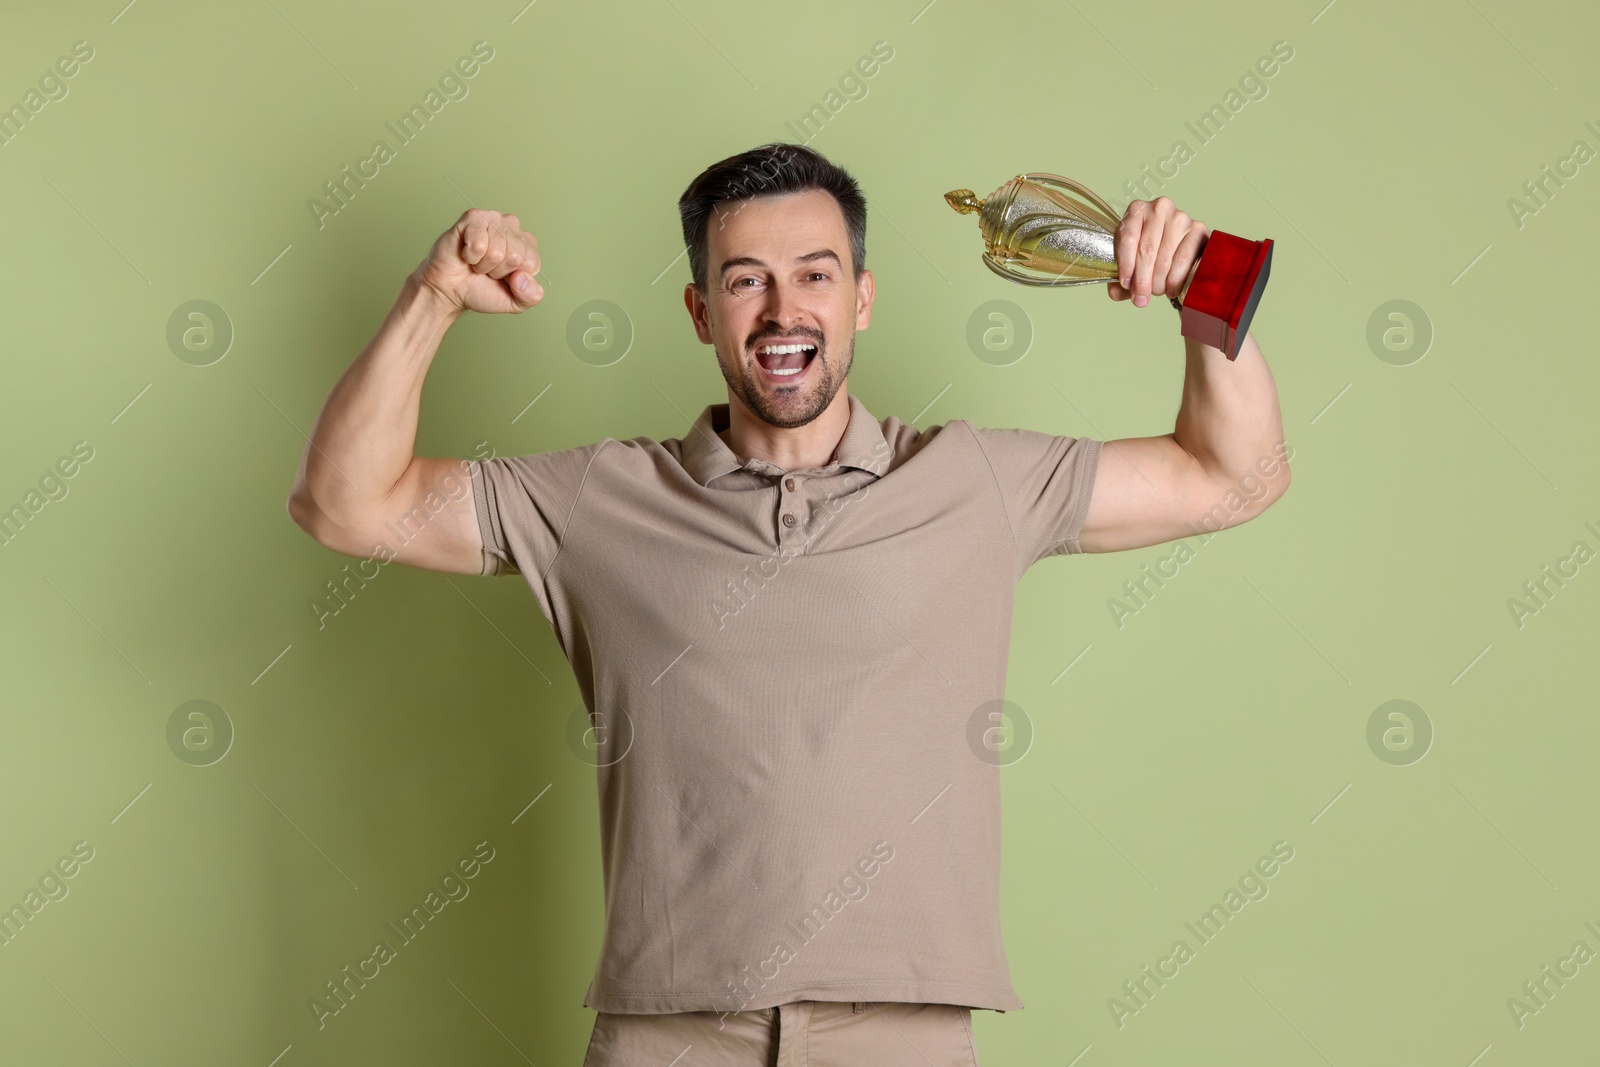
788,483
788,520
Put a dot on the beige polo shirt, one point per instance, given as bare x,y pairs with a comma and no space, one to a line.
789,674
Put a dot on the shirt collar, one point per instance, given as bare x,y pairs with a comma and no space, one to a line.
706,456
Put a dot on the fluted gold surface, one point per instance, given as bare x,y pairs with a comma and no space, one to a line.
1044,229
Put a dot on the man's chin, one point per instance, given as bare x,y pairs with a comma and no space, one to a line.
789,417
786,409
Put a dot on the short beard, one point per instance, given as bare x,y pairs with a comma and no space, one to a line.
822,393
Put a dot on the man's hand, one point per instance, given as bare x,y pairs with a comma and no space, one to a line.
485,262
1156,246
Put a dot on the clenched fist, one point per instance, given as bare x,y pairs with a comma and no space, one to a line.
485,262
1157,246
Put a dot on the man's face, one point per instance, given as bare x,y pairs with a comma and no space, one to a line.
778,271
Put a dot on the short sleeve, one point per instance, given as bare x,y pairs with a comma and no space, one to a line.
524,505
1045,483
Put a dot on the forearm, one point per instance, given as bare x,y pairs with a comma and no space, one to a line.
1229,417
364,437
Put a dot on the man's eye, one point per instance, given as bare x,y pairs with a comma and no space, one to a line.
741,281
819,274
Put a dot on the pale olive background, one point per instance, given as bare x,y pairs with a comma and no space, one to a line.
1231,712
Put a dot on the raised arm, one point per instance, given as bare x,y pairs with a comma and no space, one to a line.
1225,461
360,489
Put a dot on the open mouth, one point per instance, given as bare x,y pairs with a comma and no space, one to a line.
785,362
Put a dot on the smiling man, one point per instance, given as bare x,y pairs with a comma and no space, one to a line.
788,625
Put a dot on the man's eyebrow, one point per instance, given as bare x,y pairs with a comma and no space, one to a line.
751,261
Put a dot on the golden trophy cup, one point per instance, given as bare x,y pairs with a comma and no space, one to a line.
1046,230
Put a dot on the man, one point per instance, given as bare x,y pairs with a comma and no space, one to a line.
786,624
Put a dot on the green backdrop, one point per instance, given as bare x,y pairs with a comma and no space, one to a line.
1441,859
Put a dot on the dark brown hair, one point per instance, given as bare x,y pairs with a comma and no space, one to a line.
770,170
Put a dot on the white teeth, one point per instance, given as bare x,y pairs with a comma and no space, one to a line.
791,370
783,350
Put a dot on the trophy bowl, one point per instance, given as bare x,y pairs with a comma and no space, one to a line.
1044,229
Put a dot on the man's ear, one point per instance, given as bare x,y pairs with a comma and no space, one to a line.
866,289
698,312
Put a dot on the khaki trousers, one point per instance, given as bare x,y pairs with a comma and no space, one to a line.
807,1033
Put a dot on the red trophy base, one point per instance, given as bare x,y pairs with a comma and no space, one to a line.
1221,298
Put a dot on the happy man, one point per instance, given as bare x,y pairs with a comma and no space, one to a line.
786,623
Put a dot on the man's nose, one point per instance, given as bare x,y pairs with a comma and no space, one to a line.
783,306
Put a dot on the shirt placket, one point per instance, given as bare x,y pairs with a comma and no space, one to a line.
792,510
790,515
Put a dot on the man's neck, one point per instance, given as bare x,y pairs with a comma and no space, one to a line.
790,449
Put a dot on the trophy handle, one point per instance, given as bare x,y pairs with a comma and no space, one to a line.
1111,219
1015,275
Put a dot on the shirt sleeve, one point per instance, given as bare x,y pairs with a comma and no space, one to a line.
1045,483
524,505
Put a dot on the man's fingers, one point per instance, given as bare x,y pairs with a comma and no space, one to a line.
525,289
495,254
1183,258
494,246
1156,249
510,250
501,249
1172,235
1144,265
522,252
474,241
1127,241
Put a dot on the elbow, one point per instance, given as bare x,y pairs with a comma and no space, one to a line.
345,540
1262,495
304,512
1280,486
